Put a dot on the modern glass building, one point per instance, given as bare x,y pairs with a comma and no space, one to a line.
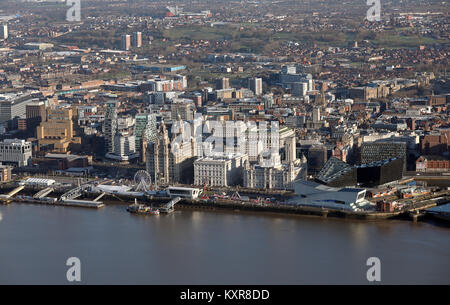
110,125
145,128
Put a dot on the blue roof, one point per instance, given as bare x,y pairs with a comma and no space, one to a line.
442,208
346,189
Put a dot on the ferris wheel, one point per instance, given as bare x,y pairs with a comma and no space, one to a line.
142,180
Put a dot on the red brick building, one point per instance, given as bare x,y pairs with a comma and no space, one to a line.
435,144
61,161
386,207
432,164
437,100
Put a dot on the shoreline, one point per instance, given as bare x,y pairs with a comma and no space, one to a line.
273,210
415,213
427,218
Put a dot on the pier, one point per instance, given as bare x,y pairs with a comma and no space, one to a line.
68,197
8,197
43,193
89,197
285,209
413,211
168,207
99,197
73,193
414,215
81,203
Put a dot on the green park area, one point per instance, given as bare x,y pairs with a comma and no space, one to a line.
261,40
250,39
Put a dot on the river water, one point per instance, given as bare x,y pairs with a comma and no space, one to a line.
203,247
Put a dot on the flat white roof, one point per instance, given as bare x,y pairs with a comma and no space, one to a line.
111,188
182,188
14,141
40,181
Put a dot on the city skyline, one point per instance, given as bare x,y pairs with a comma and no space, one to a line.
302,136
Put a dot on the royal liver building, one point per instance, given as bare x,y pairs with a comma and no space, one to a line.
166,165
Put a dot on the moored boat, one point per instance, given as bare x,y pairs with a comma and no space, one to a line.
142,209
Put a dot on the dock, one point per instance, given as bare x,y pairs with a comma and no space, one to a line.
168,207
81,203
413,211
285,209
440,212
82,196
7,198
56,202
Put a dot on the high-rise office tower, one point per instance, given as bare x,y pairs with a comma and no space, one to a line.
323,100
255,84
124,147
317,157
299,88
268,101
110,125
145,132
14,106
316,115
35,114
223,83
291,149
4,31
137,40
182,110
145,129
126,42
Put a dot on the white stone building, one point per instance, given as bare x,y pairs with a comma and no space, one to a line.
219,169
271,174
15,151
